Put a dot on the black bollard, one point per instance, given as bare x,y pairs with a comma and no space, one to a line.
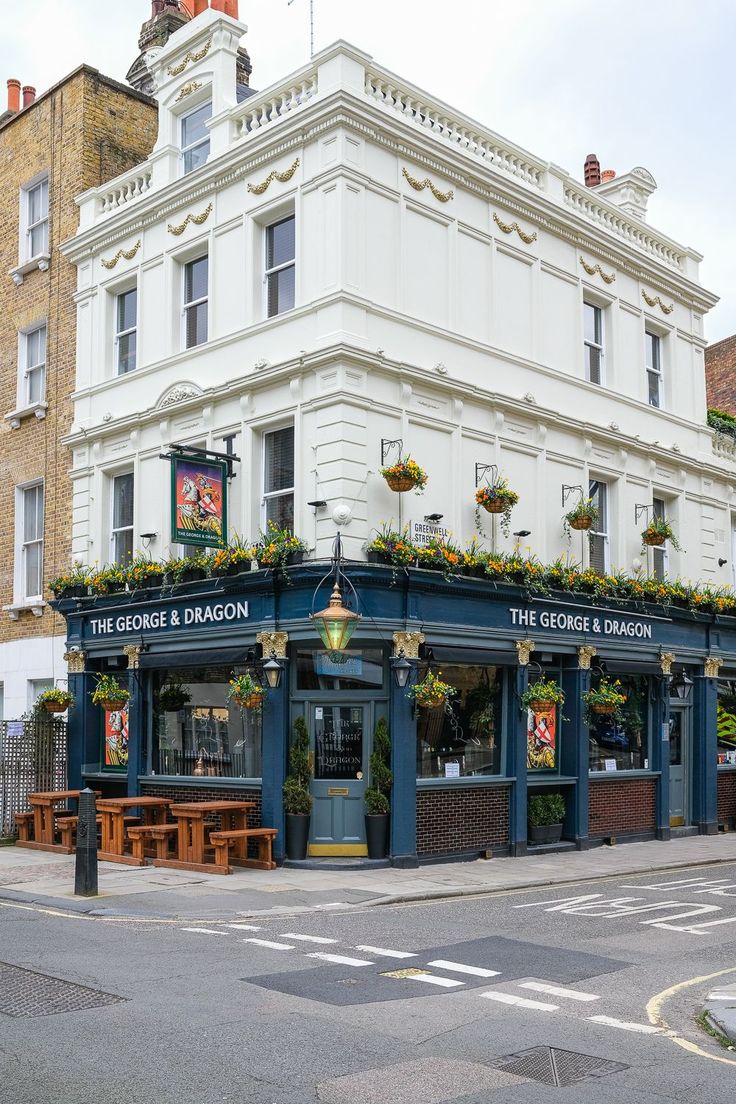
85,873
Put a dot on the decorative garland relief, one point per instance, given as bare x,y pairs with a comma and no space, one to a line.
187,90
657,302
607,277
128,254
196,219
282,177
420,185
189,59
509,227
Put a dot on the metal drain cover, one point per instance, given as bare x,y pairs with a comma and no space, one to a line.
556,1067
26,993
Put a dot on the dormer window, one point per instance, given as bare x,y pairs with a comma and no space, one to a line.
195,137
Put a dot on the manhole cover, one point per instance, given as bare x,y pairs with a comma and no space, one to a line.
25,993
556,1067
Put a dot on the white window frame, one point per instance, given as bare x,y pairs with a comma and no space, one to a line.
595,345
605,532
24,396
21,544
27,253
654,369
267,272
117,334
193,145
186,306
267,496
115,531
660,555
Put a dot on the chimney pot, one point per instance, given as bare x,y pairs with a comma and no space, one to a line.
13,95
29,95
607,174
227,7
199,7
592,171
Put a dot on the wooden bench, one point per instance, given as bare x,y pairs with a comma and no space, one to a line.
68,827
264,838
159,834
23,822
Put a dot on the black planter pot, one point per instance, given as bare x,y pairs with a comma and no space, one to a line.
376,834
544,833
294,558
378,557
297,835
191,575
73,592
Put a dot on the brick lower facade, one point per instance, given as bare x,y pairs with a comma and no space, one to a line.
726,795
468,818
215,793
622,807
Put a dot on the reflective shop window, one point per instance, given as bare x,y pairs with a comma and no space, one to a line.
194,723
357,669
464,737
622,744
726,722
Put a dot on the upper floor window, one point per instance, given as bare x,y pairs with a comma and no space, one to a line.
30,510
278,477
593,343
280,266
34,365
653,357
195,137
35,215
659,555
599,556
121,530
196,282
126,330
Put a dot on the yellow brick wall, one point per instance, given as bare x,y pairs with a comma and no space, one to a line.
84,131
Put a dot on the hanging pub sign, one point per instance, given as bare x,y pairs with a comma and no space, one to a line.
198,501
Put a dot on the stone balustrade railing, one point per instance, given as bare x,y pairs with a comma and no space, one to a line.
124,189
724,445
585,202
260,111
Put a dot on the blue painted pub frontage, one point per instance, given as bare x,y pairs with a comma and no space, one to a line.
462,775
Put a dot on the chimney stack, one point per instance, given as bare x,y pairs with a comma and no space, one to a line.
592,171
199,7
227,7
14,95
29,95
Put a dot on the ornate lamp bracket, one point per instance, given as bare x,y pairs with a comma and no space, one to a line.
273,642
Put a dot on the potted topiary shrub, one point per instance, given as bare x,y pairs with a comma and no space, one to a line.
545,814
297,798
377,796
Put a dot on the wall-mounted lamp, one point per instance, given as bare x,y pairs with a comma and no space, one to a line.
434,518
523,533
273,671
681,686
319,504
402,669
147,538
722,562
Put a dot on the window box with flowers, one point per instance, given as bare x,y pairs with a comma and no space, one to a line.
391,547
235,560
187,569
71,584
405,475
431,692
54,701
496,498
109,694
279,548
145,574
108,580
657,532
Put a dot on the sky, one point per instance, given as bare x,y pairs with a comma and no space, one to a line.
639,82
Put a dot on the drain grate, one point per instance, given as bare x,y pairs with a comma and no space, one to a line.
25,993
556,1067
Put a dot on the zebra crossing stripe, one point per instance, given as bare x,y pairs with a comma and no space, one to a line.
271,946
205,931
557,991
642,1029
307,938
383,952
432,979
520,1002
461,968
340,960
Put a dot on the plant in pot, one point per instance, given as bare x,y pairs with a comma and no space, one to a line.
583,516
657,532
405,475
431,692
545,814
143,572
391,547
54,701
279,547
542,695
110,694
173,696
71,584
246,692
605,700
297,798
378,794
496,498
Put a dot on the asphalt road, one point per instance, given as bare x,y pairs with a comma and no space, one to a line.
456,1001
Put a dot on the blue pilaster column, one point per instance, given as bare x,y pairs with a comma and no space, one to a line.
275,722
136,719
660,755
516,751
403,732
81,718
574,751
705,751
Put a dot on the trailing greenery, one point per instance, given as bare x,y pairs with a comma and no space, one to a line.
77,577
722,421
109,689
499,495
378,794
543,809
543,690
585,511
660,527
245,689
276,545
297,798
431,691
608,696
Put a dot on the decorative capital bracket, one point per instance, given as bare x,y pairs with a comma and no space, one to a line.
712,666
666,659
524,649
133,652
273,642
410,642
585,654
75,662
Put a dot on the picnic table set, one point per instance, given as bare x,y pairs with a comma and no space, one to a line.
207,836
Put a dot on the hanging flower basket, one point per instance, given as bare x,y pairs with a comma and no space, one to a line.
493,505
251,701
400,483
658,531
581,523
245,692
109,694
603,708
404,476
431,692
653,539
606,700
542,696
582,517
112,705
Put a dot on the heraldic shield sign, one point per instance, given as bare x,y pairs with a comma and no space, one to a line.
198,501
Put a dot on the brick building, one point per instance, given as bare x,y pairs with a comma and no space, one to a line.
80,133
720,375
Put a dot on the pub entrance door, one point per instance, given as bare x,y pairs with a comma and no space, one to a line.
679,767
340,747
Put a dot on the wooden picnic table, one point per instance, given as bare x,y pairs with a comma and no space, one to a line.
191,818
44,819
113,812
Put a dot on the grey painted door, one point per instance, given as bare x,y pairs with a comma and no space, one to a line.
679,767
340,743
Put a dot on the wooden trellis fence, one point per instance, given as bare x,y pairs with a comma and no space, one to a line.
33,757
